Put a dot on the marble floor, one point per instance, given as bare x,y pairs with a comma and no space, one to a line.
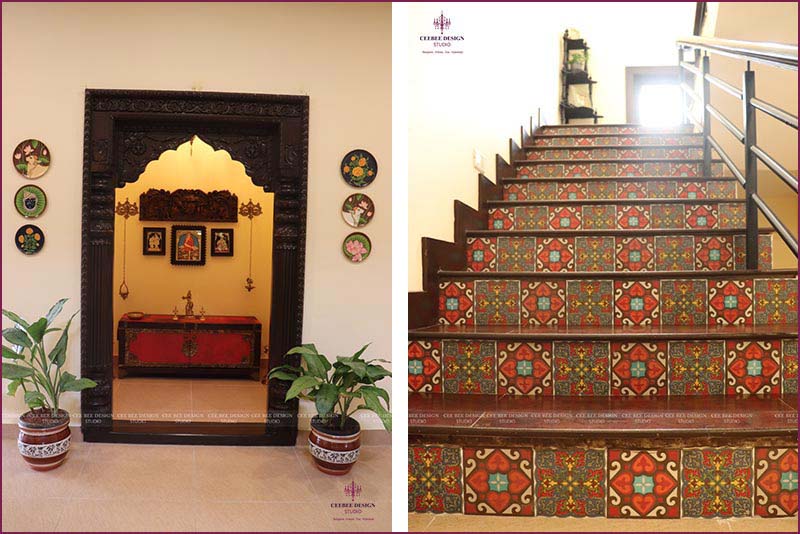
176,488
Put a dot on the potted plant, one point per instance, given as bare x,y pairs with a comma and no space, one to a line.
44,434
335,438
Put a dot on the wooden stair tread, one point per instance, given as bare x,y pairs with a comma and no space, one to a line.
611,147
625,232
620,179
611,201
605,161
620,275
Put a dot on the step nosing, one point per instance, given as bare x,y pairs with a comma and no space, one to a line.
620,178
610,147
663,332
582,161
666,275
613,232
611,201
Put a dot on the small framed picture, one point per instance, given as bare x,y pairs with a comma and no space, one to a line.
154,241
188,245
222,241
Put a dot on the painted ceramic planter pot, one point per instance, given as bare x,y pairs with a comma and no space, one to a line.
30,201
357,247
31,158
29,239
358,210
359,168
334,450
43,439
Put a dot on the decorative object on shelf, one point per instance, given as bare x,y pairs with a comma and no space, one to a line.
358,210
31,158
250,210
189,308
335,438
135,315
30,201
191,205
44,435
29,239
359,168
202,313
174,313
188,245
222,241
357,247
576,84
154,241
125,209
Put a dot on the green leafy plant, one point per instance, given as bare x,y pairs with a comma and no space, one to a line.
334,386
39,373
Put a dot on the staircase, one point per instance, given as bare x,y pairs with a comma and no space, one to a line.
592,344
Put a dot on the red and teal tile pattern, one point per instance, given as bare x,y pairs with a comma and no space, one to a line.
776,482
603,153
498,481
469,367
581,368
425,366
524,368
435,480
643,484
571,482
626,188
639,369
717,482
697,368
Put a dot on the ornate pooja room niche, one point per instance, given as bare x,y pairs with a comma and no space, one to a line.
197,378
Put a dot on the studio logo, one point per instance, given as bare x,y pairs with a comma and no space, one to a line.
446,42
353,508
441,23
352,490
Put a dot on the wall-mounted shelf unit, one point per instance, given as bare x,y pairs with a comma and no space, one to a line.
576,72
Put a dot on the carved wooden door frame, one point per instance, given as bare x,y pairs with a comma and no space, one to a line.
125,130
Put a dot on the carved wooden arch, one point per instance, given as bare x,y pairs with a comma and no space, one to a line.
123,132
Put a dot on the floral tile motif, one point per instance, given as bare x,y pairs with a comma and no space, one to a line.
731,215
683,169
674,253
643,484
717,482
775,301
702,216
570,482
713,253
730,302
662,189
530,218
594,254
455,303
683,302
692,190
556,254
636,302
524,368
541,190
633,217
589,302
564,218
469,366
634,254
575,171
498,481
696,367
434,479
721,189
482,254
425,366
602,189
581,368
631,190
515,192
630,169
501,219
599,217
667,216
516,253
789,363
543,303
571,190
527,172
496,302
764,252
754,367
776,482
638,369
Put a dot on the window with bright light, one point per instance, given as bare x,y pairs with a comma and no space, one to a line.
660,104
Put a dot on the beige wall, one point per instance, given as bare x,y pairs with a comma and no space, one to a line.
339,55
510,69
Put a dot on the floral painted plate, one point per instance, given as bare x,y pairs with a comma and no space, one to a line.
357,247
357,210
29,239
359,168
30,201
31,158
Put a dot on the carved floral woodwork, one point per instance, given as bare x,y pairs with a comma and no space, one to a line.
188,205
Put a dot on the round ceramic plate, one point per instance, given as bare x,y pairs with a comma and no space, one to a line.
357,210
30,201
29,239
357,247
31,158
359,168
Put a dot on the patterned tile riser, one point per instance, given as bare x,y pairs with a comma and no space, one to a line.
612,129
766,367
612,253
722,215
603,189
674,483
621,140
615,153
614,170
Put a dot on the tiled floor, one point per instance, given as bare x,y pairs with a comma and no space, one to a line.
471,523
145,488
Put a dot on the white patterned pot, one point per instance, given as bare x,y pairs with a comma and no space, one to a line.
334,450
44,439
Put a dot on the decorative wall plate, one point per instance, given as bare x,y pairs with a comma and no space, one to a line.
359,168
30,201
358,210
31,158
154,241
188,245
222,241
29,239
357,247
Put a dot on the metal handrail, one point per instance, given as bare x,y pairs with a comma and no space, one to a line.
777,55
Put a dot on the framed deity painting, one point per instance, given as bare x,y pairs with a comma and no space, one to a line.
188,245
222,241
154,241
